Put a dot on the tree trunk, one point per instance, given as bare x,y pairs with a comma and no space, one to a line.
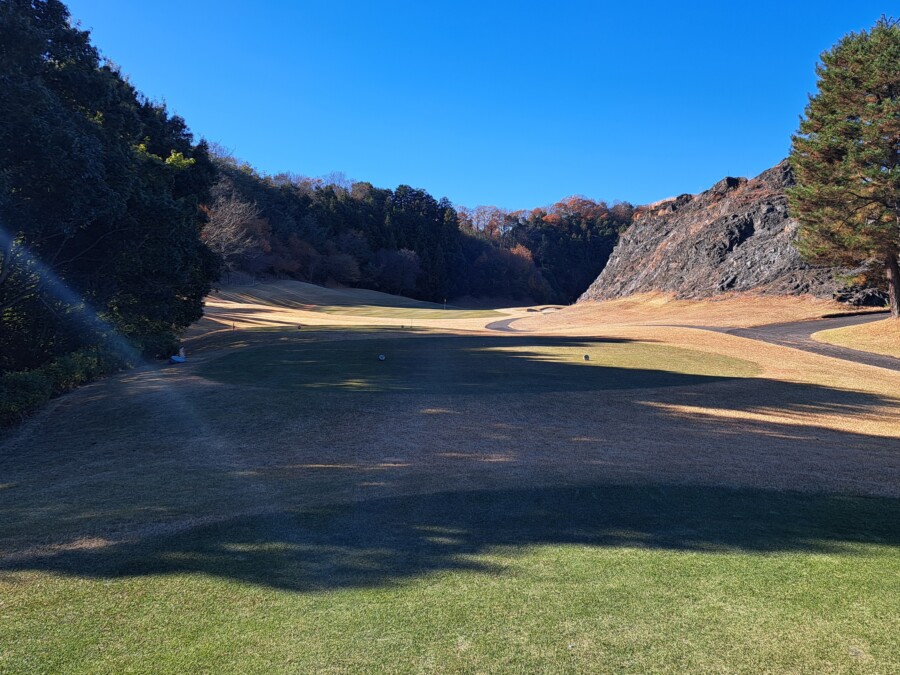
893,279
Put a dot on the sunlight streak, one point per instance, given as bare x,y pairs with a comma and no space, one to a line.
49,282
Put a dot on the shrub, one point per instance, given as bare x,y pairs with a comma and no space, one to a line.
70,371
159,345
21,394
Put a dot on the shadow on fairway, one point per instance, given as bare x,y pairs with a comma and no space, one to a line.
201,448
384,541
473,365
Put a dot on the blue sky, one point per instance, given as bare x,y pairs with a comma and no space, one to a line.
515,104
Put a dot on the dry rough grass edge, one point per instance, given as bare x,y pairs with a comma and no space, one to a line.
879,337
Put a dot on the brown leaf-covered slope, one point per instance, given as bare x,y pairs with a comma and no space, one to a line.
736,236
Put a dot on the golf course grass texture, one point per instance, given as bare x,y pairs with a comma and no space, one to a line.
603,578
274,564
473,365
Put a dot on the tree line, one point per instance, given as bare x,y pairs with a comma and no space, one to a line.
404,240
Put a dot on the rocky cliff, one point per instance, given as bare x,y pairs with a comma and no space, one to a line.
736,236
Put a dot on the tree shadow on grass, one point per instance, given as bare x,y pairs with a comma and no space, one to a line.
384,541
473,365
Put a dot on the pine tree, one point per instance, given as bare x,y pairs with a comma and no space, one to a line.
846,157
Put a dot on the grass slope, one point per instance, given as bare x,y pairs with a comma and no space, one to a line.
354,302
729,309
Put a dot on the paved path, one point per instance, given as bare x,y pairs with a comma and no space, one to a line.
797,335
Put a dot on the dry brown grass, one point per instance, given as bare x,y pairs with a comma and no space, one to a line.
206,448
288,304
731,310
880,337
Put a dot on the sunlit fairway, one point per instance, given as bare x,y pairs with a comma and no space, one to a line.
475,502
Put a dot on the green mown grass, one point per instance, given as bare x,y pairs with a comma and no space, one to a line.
601,578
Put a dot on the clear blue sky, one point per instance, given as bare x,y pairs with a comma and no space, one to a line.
516,104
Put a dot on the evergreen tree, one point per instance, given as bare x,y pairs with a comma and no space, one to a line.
100,194
846,157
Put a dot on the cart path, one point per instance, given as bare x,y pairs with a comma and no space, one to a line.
798,335
795,334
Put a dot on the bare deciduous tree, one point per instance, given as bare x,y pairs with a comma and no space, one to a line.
228,231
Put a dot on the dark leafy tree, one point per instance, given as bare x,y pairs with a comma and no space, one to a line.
846,157
570,241
100,194
397,271
545,255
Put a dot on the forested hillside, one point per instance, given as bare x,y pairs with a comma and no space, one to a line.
404,240
115,222
100,194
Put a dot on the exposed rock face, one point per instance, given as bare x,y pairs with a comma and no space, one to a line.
736,236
